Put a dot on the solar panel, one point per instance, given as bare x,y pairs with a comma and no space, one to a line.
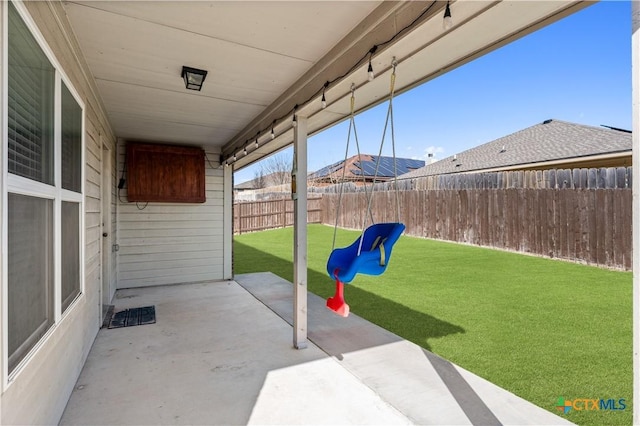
327,170
386,167
368,168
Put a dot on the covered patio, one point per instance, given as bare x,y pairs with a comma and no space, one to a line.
220,353
221,350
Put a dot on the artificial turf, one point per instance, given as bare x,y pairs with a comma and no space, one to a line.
540,328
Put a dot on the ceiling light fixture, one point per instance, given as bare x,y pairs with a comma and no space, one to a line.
370,73
193,78
324,99
294,123
447,23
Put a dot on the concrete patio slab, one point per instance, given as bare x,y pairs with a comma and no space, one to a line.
215,356
220,353
424,387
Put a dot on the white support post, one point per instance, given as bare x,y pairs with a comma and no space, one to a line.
227,223
635,100
299,195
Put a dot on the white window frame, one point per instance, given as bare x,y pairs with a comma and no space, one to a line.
19,185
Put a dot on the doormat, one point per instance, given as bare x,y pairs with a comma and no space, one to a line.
133,316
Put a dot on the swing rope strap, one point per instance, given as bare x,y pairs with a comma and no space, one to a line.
352,125
393,140
388,120
344,164
379,244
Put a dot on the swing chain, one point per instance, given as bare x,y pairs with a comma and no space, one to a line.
352,125
394,63
388,122
369,195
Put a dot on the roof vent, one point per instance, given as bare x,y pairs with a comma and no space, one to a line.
455,157
503,149
547,121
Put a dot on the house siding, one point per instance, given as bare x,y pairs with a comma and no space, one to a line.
171,243
114,223
39,392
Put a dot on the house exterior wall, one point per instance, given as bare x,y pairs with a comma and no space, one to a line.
114,223
172,243
37,392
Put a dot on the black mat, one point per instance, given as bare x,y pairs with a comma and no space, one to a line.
133,316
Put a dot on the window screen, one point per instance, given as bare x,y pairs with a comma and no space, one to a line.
71,141
70,253
30,284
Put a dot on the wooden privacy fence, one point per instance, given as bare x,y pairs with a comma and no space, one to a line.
269,214
586,225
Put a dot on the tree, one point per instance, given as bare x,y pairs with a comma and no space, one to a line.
259,180
277,169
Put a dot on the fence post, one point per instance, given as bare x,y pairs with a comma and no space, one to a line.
284,212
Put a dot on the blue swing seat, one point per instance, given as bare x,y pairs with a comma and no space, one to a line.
374,256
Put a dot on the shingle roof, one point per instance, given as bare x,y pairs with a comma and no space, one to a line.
547,141
267,180
250,184
355,170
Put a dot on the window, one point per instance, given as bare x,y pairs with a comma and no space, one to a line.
30,294
71,129
31,97
71,141
44,192
70,253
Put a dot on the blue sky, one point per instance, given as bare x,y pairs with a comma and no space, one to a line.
578,70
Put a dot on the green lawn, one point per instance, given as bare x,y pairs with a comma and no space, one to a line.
540,328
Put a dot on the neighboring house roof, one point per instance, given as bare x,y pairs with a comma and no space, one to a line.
552,140
270,179
250,184
355,169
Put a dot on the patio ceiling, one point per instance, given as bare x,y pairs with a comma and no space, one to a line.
264,57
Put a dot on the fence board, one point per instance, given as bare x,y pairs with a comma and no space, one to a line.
625,231
600,210
575,226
